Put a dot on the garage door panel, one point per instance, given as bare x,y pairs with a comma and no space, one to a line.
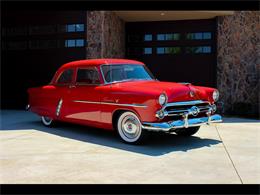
180,51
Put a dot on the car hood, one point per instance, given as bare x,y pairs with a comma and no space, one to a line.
174,91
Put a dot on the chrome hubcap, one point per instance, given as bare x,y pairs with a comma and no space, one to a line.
130,127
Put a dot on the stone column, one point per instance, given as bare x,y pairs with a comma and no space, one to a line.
105,35
238,62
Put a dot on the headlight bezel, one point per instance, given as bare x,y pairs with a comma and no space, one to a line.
215,95
164,96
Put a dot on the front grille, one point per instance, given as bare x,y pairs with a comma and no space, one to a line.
175,109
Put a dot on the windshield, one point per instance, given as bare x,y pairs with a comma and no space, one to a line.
125,72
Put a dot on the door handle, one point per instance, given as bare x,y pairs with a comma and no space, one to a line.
72,86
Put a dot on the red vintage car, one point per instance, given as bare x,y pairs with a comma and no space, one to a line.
123,95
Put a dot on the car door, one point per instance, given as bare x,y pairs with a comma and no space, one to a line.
84,103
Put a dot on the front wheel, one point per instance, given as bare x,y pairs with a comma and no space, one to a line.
129,128
47,121
187,131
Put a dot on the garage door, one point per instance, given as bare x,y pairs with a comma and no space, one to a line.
179,51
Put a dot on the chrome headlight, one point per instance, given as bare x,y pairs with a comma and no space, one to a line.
162,99
215,95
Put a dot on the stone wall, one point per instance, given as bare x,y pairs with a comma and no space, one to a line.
105,35
238,62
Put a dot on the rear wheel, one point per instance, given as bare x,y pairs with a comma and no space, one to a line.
187,131
47,121
129,128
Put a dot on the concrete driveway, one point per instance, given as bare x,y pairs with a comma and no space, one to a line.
31,153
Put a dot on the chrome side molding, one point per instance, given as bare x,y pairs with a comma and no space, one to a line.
111,103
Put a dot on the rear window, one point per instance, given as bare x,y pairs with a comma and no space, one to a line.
65,77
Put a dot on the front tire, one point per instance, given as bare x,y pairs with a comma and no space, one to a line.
47,121
187,131
129,128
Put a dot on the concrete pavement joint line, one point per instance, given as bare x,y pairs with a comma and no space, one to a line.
229,155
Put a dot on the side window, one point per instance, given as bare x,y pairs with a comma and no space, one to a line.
87,76
65,77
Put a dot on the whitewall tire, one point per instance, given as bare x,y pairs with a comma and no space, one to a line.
47,121
129,128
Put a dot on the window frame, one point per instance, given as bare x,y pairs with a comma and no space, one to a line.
88,84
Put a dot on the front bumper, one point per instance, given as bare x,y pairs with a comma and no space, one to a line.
185,123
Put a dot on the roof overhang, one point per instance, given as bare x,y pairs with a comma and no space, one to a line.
138,16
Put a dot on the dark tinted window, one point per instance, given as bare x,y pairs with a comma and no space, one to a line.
200,49
198,36
168,37
148,37
74,43
66,77
88,76
148,50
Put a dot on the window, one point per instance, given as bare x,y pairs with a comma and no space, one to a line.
160,50
173,37
168,37
80,42
198,36
87,76
74,43
148,50
75,28
65,77
160,37
148,37
172,50
200,49
168,50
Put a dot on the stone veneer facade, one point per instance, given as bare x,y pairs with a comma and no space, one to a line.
238,62
105,35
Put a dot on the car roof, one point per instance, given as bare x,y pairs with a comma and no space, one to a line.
97,62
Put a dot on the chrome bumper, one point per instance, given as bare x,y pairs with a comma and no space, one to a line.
186,123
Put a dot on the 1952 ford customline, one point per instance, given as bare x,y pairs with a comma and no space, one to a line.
123,95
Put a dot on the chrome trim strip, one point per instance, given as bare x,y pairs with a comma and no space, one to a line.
59,107
186,123
111,103
187,103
